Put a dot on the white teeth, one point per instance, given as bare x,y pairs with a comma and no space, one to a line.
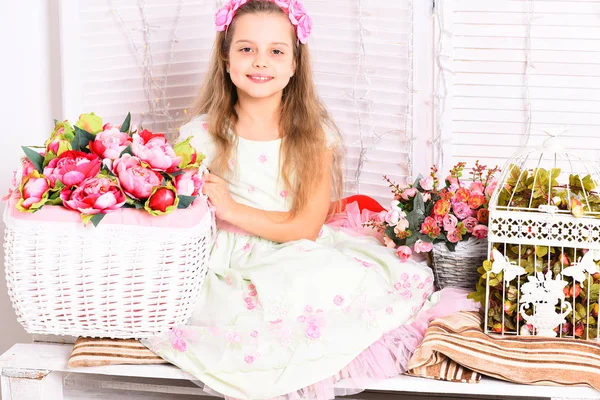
261,78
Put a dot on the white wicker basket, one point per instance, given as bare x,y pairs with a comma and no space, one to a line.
118,281
458,268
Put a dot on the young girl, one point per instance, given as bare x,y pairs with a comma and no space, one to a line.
289,306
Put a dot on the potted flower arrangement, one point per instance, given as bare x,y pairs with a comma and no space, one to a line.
449,221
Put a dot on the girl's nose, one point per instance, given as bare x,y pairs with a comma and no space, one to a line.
260,61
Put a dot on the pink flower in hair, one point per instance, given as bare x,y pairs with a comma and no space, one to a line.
296,11
303,29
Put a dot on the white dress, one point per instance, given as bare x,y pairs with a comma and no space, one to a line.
275,318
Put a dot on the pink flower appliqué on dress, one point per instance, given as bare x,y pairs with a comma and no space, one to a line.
262,159
338,300
283,194
313,332
177,340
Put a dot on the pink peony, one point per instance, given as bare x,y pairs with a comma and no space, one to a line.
480,231
72,167
189,183
93,196
426,183
136,180
470,223
154,150
34,191
403,253
110,143
450,222
454,236
461,210
422,246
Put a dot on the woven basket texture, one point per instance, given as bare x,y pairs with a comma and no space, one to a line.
115,281
458,268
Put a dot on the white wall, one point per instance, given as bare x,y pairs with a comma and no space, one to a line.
29,100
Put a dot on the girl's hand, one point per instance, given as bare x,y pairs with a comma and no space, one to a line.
218,193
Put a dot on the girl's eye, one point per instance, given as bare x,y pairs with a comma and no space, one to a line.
277,52
246,50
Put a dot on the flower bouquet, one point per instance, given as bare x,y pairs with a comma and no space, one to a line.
136,274
450,221
94,168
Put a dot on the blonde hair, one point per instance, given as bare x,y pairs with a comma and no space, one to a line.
303,119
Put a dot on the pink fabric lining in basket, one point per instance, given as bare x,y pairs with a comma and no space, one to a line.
183,218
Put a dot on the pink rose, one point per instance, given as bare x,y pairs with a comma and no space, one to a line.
93,196
452,180
72,167
189,183
283,3
223,17
110,143
136,180
34,191
476,187
450,222
489,190
403,253
476,200
426,197
454,236
313,332
392,217
389,242
470,223
461,210
426,183
304,28
480,231
401,226
408,193
163,200
422,246
154,150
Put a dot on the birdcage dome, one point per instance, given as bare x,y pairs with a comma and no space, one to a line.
547,195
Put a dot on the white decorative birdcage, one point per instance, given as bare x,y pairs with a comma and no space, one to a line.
541,276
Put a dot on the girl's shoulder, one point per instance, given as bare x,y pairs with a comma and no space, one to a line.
196,126
201,139
332,136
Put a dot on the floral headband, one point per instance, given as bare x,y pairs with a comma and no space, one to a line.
294,8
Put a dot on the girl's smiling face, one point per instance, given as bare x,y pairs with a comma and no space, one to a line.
261,56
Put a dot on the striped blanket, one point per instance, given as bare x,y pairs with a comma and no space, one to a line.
92,352
455,348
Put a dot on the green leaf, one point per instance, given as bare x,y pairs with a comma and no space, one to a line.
451,246
415,219
411,240
97,218
81,140
55,121
126,151
418,203
36,158
541,251
127,123
185,201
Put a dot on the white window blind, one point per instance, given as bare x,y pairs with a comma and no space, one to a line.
507,55
362,58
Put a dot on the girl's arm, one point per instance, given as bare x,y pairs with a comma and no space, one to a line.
274,225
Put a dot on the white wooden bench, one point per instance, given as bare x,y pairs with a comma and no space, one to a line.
37,371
